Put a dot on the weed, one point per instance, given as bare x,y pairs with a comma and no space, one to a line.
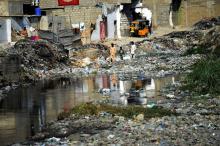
197,50
128,111
205,77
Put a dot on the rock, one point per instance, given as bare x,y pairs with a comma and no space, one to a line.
170,95
139,118
111,136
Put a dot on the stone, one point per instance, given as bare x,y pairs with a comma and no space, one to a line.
139,118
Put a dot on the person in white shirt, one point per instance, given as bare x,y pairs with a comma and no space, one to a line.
133,48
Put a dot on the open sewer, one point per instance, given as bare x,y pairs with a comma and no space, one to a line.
26,110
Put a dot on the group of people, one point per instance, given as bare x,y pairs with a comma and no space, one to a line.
121,52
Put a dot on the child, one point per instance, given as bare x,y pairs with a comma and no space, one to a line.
121,53
133,48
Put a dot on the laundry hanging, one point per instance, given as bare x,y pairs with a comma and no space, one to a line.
68,2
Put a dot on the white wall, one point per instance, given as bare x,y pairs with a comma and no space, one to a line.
114,16
110,24
5,30
96,33
44,23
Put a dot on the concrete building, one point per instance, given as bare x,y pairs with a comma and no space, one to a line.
112,17
14,16
88,12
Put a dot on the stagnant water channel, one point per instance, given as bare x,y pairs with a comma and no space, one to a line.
25,110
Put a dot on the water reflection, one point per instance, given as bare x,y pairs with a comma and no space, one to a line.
26,110
125,91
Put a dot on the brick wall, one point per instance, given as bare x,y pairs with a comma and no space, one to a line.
75,15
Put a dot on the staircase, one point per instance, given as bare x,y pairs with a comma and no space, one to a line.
125,24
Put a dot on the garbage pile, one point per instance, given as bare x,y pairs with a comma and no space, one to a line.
207,23
189,38
88,55
117,130
38,58
176,42
211,40
92,45
39,55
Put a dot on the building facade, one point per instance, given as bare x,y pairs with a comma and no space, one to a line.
97,13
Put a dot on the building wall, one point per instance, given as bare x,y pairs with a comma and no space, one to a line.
194,10
160,11
12,7
86,3
86,12
4,8
190,12
75,15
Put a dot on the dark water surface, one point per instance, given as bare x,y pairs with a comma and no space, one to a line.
27,109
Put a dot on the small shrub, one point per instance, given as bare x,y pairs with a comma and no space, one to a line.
197,50
205,77
63,115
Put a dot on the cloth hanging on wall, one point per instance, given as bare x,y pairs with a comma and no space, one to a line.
68,2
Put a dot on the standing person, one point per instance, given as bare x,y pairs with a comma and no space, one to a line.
133,48
121,53
112,53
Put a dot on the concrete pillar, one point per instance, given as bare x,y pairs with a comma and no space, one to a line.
5,30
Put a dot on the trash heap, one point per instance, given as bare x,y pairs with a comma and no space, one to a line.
39,56
87,55
207,23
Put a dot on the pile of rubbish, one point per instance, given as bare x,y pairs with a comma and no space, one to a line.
88,55
211,40
92,45
39,55
207,23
